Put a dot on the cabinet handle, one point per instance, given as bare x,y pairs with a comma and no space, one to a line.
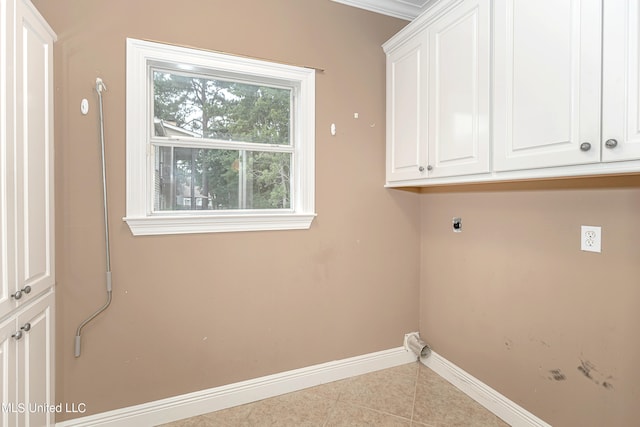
611,143
429,167
421,169
585,146
18,335
25,290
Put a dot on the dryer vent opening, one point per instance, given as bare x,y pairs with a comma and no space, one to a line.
413,342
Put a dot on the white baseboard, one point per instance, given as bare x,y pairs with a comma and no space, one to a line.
205,401
509,411
214,399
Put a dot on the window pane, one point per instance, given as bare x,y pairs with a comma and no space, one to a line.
197,106
209,179
268,180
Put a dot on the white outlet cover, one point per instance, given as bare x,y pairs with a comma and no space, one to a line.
591,238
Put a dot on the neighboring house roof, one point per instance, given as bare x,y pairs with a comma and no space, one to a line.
164,128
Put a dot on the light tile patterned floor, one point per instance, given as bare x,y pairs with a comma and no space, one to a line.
405,396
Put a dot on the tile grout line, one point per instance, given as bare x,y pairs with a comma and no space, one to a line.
332,409
415,392
409,418
415,397
378,411
369,408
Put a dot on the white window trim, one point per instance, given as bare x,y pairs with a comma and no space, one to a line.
139,214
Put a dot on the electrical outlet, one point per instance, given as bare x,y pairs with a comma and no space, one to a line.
590,238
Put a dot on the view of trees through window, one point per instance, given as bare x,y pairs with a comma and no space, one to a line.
193,110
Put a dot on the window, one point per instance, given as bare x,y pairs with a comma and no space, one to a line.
217,142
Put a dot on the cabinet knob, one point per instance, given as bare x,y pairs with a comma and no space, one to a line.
429,167
611,143
17,335
585,146
421,168
19,293
26,327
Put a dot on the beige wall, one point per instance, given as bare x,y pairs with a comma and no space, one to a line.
198,311
514,301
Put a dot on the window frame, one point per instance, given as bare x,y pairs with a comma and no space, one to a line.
141,56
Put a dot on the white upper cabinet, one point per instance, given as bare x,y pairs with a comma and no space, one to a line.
516,90
438,94
621,81
458,84
546,83
407,111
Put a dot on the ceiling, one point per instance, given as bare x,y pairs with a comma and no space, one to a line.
404,9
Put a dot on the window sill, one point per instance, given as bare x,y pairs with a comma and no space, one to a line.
162,225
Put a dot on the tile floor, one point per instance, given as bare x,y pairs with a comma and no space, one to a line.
410,395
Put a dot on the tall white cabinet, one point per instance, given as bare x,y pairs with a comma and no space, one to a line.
510,89
27,245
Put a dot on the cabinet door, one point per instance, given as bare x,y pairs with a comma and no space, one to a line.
406,111
459,56
35,362
34,151
547,61
8,391
7,144
621,81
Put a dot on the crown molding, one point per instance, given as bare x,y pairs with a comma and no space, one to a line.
403,9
